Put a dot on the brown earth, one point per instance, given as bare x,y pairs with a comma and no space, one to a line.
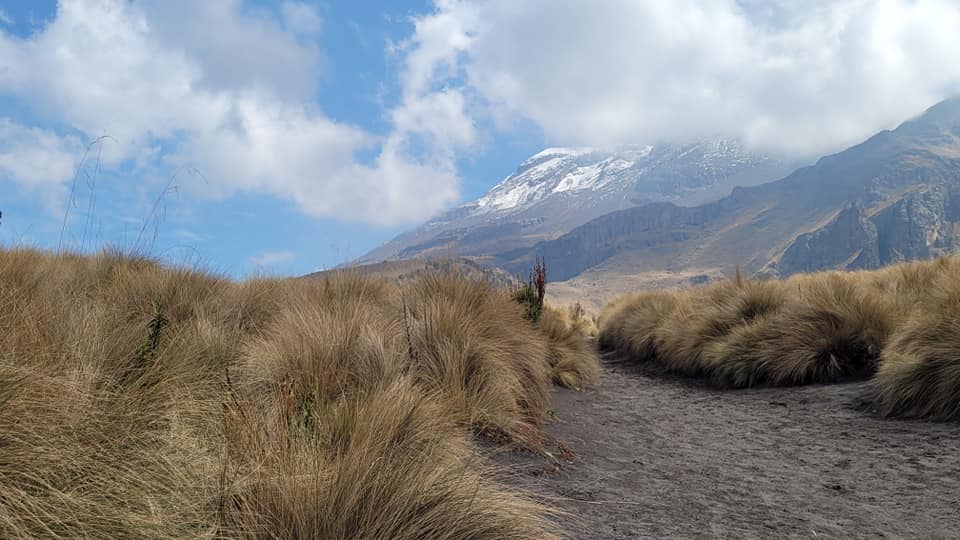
663,457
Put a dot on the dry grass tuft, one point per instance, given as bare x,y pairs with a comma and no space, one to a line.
142,401
831,330
471,344
384,462
899,323
919,375
626,328
573,361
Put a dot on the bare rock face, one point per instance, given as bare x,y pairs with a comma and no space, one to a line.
848,241
918,226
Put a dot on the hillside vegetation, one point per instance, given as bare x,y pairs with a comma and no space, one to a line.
898,326
143,401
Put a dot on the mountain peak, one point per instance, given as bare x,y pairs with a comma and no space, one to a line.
560,188
685,174
559,151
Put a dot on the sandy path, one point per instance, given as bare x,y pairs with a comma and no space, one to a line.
659,457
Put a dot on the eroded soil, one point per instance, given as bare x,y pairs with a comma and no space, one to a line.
662,457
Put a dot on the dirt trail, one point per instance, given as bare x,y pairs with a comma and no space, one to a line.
661,457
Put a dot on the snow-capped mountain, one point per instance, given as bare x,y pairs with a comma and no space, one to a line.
687,174
894,197
558,189
558,170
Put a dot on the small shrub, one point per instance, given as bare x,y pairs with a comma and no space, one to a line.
531,293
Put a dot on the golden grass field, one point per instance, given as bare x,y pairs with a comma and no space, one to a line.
145,401
139,400
898,326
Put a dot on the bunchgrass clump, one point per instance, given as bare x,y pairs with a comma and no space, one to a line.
897,325
143,401
573,361
919,374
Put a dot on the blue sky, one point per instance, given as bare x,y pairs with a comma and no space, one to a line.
284,137
356,81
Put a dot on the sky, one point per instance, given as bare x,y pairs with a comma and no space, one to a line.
252,137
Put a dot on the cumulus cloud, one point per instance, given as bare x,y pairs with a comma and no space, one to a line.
301,18
229,91
234,48
37,158
799,77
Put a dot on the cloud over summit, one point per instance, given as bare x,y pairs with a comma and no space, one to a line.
799,77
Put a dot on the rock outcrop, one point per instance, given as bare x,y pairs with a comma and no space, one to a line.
848,241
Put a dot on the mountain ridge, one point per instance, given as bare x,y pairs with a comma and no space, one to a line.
558,189
893,197
913,169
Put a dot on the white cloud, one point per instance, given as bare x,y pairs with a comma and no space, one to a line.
226,90
4,18
301,18
802,77
36,158
432,119
233,48
439,117
272,258
231,90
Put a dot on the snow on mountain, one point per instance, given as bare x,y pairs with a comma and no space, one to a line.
560,188
561,152
527,184
562,170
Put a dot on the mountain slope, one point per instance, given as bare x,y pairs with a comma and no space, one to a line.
559,189
894,197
